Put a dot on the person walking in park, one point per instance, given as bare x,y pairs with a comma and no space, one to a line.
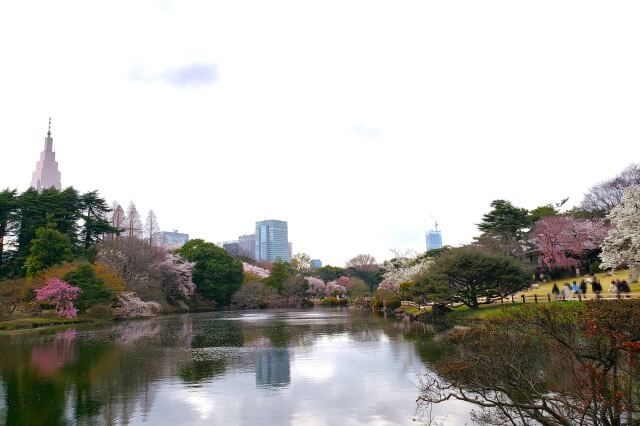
555,291
574,288
583,287
566,292
596,287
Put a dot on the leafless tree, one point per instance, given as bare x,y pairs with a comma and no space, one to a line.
118,217
604,196
363,262
131,259
133,224
151,228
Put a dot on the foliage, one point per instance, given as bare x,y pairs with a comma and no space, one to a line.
279,274
80,217
562,240
333,301
61,295
555,364
329,273
385,298
14,293
622,244
504,229
8,222
295,289
94,290
217,275
604,196
355,287
541,212
470,276
93,211
129,305
50,247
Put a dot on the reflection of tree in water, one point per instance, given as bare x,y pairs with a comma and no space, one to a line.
215,334
50,357
200,369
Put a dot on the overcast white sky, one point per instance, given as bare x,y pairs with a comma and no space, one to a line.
356,121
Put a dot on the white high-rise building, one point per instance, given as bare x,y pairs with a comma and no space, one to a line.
47,174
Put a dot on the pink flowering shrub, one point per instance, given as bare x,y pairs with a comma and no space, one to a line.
131,306
318,288
61,295
255,270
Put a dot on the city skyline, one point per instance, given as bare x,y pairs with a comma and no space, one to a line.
215,124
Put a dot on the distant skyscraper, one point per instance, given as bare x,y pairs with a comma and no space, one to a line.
434,239
231,247
173,239
272,240
47,174
316,263
247,245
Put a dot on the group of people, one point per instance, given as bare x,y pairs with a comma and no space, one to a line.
574,289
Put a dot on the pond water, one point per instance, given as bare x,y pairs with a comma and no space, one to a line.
301,367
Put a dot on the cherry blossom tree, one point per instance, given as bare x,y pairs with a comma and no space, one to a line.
318,288
622,244
61,295
131,306
562,240
404,268
255,270
176,274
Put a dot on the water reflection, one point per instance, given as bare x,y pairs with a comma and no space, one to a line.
272,367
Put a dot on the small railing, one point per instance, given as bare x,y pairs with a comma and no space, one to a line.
545,298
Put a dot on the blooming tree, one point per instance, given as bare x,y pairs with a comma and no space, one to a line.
176,274
318,288
255,270
562,240
132,307
622,244
405,267
61,295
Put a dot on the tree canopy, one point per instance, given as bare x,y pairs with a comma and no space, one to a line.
470,276
217,275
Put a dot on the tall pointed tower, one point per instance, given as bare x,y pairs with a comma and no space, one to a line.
47,174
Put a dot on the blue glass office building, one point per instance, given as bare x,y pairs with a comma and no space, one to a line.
272,241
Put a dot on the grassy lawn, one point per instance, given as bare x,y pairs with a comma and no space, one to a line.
20,321
604,278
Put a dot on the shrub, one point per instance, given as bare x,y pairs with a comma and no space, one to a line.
392,302
333,301
100,311
130,306
93,288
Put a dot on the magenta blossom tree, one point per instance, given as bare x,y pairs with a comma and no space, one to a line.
61,295
562,240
